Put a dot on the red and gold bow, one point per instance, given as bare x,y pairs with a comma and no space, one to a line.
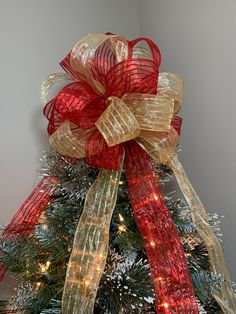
113,99
118,102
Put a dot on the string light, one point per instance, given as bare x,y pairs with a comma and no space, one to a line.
152,243
44,268
48,264
121,182
38,284
44,227
165,305
155,196
121,218
122,228
86,285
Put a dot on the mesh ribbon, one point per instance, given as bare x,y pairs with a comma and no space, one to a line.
88,256
224,296
173,288
25,219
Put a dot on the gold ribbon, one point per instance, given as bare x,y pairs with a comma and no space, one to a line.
51,80
88,256
147,119
84,51
225,296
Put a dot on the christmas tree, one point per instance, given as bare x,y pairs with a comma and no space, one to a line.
105,230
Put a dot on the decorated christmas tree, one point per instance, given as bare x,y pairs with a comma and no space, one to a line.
108,229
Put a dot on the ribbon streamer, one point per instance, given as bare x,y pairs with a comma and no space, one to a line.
25,219
169,269
90,248
225,296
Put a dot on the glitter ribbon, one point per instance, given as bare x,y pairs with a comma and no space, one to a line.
225,296
169,269
90,247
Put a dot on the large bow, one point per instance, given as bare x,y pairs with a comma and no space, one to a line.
114,99
115,102
145,117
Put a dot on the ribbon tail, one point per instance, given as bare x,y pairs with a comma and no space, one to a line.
225,296
25,219
169,270
90,248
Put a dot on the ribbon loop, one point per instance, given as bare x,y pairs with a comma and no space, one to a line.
117,124
49,81
153,112
160,147
87,53
69,140
171,84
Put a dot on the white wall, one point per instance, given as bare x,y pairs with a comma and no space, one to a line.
35,36
197,40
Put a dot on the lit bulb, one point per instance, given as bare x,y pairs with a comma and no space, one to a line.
44,227
121,218
48,264
38,284
152,243
86,282
155,196
121,182
122,228
43,268
165,305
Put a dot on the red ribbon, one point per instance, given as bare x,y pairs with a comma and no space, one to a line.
169,269
25,219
